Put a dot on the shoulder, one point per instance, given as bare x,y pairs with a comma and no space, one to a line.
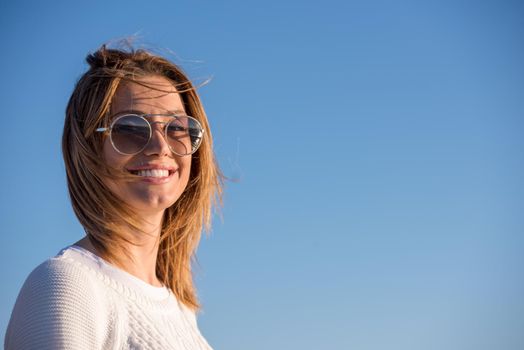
59,280
61,305
188,313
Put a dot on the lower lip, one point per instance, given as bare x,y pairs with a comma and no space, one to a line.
157,180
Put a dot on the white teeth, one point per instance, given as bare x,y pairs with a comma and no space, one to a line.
153,173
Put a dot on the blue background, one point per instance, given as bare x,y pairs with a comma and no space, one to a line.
377,148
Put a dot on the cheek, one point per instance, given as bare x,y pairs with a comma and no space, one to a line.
112,157
116,161
184,164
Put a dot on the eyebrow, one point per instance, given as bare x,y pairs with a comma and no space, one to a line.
136,111
177,111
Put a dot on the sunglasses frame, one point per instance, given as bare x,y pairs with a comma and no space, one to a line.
150,124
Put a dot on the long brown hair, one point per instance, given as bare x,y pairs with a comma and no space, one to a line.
97,208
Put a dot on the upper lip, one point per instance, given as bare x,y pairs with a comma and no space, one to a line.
152,166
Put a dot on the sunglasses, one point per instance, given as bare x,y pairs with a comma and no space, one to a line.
131,133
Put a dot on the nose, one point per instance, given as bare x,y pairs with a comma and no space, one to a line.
157,144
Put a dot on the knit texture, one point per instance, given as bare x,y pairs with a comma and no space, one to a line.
76,300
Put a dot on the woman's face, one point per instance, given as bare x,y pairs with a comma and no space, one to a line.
163,174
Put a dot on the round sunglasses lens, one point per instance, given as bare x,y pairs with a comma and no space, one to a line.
185,135
130,134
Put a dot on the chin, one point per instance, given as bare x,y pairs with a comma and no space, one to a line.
153,203
150,200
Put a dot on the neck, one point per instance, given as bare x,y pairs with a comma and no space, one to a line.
142,252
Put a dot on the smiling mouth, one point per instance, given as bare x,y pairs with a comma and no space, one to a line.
155,173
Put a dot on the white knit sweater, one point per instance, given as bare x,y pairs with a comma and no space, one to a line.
78,301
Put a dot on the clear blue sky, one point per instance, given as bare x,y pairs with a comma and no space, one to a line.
378,147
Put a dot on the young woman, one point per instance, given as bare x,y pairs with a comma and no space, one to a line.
142,179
